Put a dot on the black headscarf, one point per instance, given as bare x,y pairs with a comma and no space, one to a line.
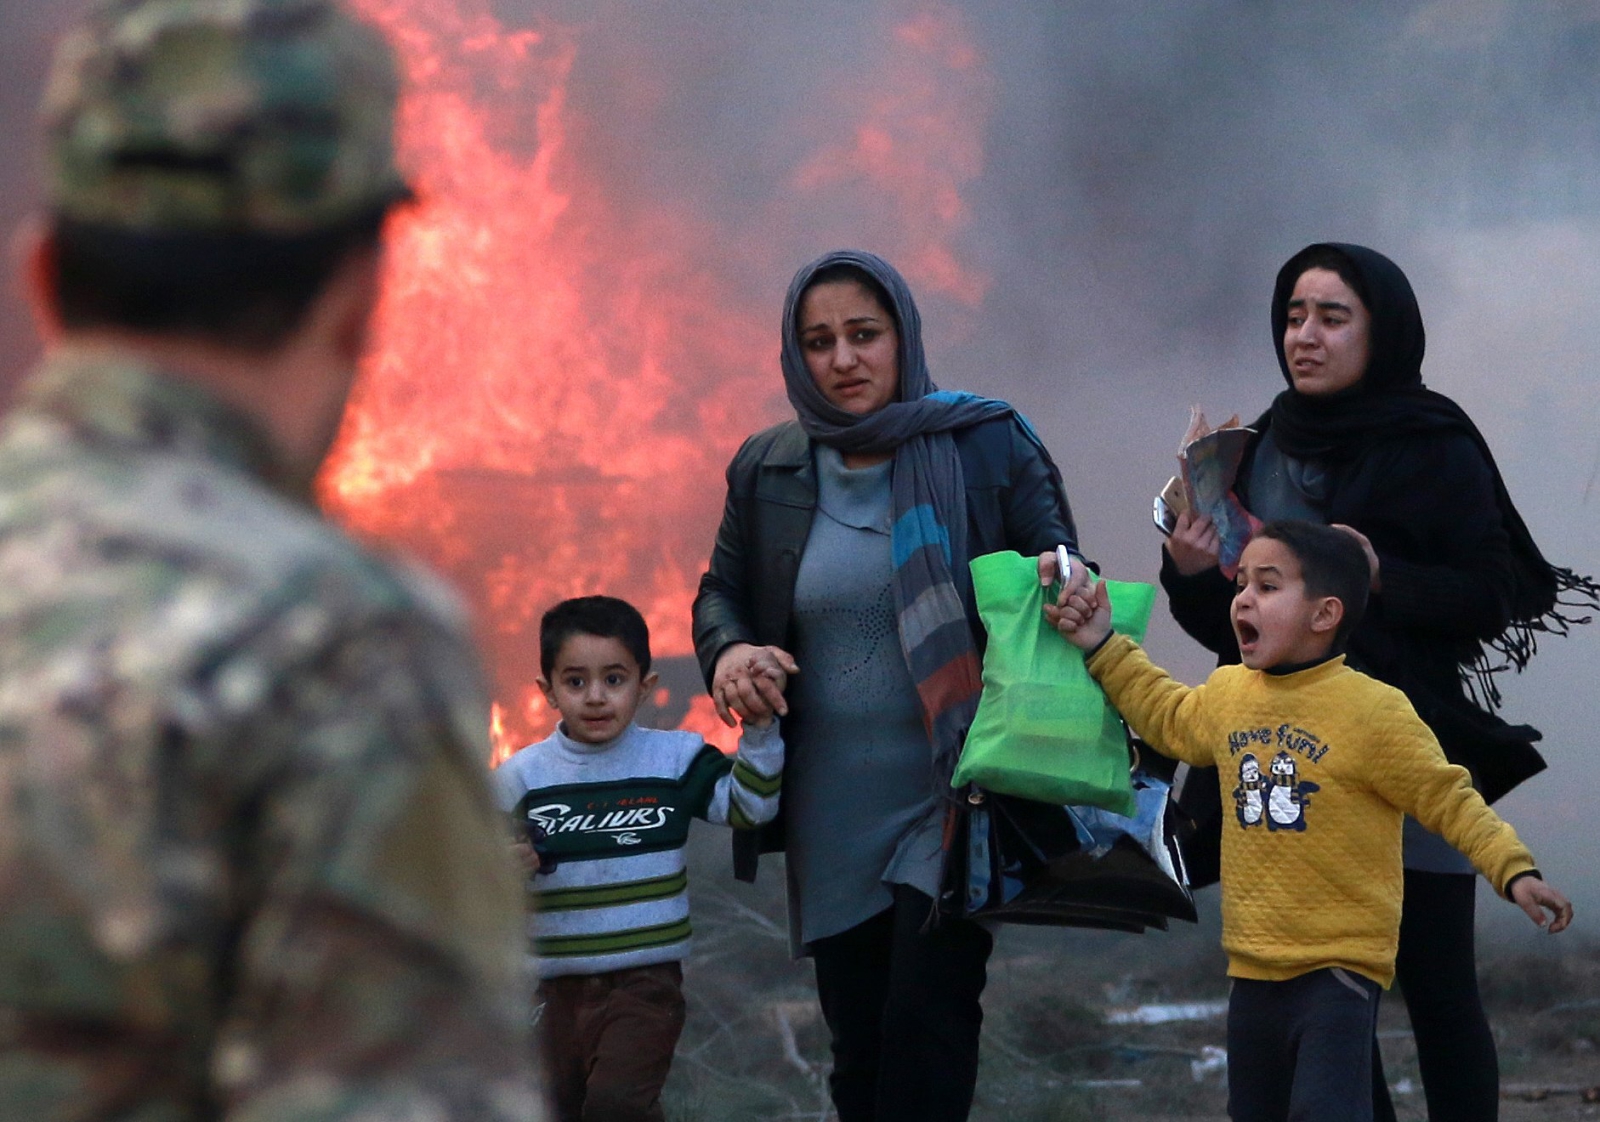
1391,403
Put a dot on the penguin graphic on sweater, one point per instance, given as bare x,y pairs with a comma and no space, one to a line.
1248,796
1288,797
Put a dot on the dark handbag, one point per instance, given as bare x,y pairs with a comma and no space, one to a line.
1020,861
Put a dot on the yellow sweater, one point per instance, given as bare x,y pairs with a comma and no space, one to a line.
1318,768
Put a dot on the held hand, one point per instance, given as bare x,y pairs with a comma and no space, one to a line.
749,681
1194,544
1533,895
1077,580
1366,547
1085,619
525,856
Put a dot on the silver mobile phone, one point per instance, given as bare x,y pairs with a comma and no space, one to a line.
1168,502
1165,518
1063,566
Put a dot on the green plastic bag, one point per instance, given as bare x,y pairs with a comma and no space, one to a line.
1044,730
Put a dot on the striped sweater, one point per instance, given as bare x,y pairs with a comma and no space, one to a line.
617,815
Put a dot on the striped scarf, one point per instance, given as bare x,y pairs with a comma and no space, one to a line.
928,540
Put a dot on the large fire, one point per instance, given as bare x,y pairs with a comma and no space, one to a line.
551,401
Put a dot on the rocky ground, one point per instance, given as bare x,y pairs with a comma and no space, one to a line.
1073,1029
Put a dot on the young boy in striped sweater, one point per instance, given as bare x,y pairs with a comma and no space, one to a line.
612,802
1326,761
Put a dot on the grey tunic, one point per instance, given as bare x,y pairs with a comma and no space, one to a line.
861,812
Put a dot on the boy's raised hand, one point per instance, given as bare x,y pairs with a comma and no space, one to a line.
1533,896
1085,618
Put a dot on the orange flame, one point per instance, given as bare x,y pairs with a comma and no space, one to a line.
550,403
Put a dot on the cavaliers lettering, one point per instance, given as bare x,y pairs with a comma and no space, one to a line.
558,818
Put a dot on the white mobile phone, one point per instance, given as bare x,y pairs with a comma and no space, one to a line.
1063,565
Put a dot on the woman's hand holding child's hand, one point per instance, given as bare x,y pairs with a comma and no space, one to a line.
1194,544
749,681
1084,618
1533,895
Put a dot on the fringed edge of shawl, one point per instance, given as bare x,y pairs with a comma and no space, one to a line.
1515,647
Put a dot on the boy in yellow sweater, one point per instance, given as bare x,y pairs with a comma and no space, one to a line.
1319,763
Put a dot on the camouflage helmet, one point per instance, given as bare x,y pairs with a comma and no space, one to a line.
271,116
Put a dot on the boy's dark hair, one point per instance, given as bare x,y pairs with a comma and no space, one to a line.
241,289
1332,563
605,616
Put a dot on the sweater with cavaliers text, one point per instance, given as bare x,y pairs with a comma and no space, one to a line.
617,817
1322,762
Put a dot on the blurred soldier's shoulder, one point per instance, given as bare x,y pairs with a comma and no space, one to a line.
138,519
208,694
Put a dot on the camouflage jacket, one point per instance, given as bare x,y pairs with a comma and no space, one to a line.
249,866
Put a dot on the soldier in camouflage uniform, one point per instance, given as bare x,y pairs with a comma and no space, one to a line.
249,867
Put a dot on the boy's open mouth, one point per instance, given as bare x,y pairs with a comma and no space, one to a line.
1247,633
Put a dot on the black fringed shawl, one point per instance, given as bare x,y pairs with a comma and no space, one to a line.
1390,404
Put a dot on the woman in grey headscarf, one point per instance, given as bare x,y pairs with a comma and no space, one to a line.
843,550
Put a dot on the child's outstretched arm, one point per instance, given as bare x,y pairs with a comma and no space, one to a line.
1534,896
1411,772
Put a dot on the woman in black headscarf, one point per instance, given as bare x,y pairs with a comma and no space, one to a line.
1459,591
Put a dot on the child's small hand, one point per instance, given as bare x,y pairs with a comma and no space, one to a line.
526,856
1533,896
1085,618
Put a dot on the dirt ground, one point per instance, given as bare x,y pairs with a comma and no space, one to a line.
1059,1042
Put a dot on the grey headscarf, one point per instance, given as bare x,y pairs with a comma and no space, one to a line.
929,538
